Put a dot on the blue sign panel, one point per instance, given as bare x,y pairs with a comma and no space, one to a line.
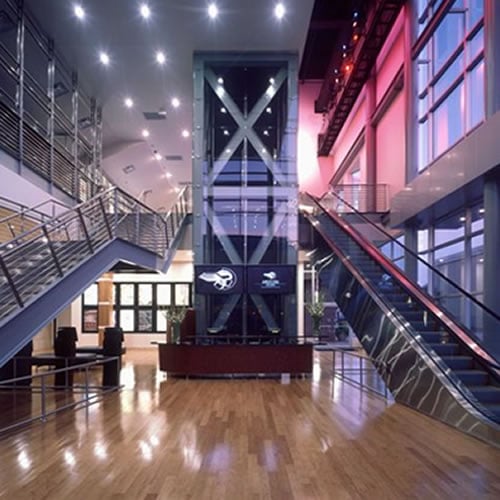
218,279
271,278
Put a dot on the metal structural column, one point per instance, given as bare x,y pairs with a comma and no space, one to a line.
245,193
491,243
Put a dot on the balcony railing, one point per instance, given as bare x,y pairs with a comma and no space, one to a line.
365,198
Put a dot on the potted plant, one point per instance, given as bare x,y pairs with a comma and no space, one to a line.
316,310
174,316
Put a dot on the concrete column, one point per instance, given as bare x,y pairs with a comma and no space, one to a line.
105,304
492,52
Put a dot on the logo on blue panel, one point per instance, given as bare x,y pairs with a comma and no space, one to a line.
270,281
222,280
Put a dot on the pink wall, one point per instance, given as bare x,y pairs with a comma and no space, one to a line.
391,151
312,171
391,57
314,174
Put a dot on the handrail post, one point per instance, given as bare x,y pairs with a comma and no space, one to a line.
52,251
10,281
43,402
361,382
106,221
85,231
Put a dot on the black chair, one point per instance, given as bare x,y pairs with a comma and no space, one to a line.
65,347
112,346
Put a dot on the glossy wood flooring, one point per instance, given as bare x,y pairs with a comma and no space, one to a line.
244,439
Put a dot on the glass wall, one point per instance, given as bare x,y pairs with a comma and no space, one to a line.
449,75
454,245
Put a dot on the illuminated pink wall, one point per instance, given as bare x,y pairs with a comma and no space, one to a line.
313,172
391,57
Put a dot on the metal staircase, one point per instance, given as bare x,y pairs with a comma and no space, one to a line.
45,268
429,358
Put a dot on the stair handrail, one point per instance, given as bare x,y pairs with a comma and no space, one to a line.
25,210
414,254
449,321
116,190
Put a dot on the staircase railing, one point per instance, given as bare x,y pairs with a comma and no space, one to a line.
39,257
364,198
482,324
24,217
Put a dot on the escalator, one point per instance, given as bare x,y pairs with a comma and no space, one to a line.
428,358
44,269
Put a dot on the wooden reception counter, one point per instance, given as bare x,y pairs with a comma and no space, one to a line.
225,359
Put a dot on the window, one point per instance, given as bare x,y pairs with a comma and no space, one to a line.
138,306
90,309
449,71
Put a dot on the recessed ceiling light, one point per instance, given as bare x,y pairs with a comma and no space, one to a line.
129,103
271,81
220,80
168,175
185,133
266,132
462,219
157,156
226,131
175,102
79,12
279,11
223,110
269,111
213,11
104,58
145,11
145,133
160,57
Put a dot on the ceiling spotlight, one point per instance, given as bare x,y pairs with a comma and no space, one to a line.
213,11
129,103
104,58
279,11
145,133
175,102
157,156
185,133
79,12
145,11
160,57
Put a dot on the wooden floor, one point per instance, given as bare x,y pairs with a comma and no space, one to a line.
244,439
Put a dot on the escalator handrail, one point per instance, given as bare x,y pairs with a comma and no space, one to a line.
413,289
434,270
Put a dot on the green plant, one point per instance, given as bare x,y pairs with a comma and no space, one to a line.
174,316
316,310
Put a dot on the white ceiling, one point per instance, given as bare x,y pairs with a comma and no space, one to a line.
177,27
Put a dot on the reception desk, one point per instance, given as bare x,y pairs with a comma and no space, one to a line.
236,359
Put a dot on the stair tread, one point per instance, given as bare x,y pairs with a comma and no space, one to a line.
483,388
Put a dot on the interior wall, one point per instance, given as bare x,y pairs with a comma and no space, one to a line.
312,171
391,146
